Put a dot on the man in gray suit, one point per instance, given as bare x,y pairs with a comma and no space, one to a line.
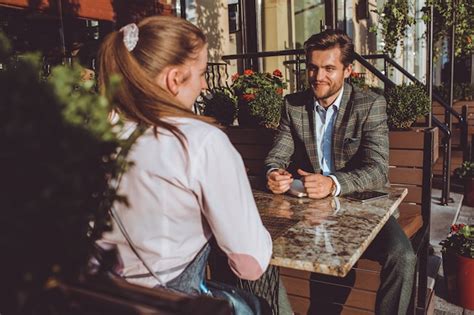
336,138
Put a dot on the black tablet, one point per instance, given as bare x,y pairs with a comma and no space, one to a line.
366,196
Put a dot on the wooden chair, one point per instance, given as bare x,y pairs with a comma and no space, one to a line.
412,155
111,295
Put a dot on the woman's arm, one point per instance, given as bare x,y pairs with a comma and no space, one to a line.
227,202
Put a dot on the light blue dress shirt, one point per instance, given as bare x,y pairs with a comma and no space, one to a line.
324,123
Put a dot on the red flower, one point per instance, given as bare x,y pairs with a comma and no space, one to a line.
279,91
277,73
354,74
248,72
234,77
248,97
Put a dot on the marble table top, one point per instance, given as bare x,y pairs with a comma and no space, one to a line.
326,236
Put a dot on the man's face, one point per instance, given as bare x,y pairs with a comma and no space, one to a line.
326,74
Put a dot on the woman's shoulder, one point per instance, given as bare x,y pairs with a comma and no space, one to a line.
198,130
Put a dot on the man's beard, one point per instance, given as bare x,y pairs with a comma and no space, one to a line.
330,90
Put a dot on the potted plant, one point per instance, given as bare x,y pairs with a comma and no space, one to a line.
466,173
260,98
458,264
59,158
220,104
405,103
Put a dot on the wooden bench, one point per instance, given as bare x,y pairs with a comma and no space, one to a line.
412,155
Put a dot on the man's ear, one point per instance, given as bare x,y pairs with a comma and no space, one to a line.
347,71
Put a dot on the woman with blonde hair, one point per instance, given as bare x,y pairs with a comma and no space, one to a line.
187,183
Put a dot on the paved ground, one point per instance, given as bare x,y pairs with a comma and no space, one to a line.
441,219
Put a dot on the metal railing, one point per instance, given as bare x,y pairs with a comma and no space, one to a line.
447,141
217,75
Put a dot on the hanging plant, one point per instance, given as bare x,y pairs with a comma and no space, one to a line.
443,21
394,20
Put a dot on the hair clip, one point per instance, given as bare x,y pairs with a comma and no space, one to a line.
130,35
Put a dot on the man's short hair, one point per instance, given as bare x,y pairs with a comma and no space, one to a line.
329,39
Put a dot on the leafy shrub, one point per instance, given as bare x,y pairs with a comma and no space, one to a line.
222,105
462,91
267,108
466,170
260,95
460,240
58,159
405,103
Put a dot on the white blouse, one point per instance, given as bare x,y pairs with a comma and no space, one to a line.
178,199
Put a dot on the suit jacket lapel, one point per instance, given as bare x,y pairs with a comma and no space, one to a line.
340,127
309,131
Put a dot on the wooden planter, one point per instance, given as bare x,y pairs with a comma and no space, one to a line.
461,103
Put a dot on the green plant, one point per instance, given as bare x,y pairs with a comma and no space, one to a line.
267,107
261,94
443,21
462,91
460,240
466,170
59,160
248,84
357,79
220,104
405,103
394,20
468,92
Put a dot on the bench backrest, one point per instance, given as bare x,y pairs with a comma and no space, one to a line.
253,145
412,156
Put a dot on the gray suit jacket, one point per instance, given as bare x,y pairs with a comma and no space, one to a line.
359,144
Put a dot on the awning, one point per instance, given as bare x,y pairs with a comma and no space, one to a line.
89,9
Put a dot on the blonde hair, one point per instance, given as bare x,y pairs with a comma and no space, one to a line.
163,41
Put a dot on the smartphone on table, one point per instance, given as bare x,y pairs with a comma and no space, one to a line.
366,196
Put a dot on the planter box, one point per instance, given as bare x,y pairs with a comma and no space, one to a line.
459,279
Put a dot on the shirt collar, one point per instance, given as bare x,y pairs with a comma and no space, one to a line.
337,101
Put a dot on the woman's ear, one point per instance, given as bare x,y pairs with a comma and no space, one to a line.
169,80
173,80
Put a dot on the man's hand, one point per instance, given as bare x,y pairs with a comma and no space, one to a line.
317,186
279,181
